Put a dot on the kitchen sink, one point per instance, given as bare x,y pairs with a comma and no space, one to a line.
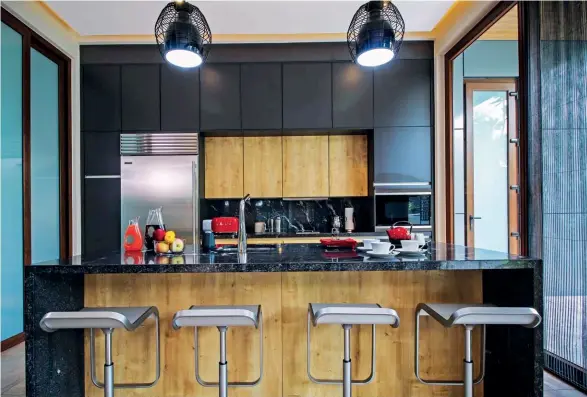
250,248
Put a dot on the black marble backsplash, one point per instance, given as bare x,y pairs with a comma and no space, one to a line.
296,216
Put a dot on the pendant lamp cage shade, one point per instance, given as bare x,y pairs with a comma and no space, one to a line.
182,30
377,26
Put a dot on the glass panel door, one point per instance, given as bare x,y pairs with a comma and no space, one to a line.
45,230
491,168
11,243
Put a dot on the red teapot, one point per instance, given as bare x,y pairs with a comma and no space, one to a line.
397,233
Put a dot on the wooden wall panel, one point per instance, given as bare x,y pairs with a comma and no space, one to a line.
305,166
134,353
402,291
224,167
263,166
284,299
348,165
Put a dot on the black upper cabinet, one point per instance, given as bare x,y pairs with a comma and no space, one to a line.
101,98
220,101
180,99
101,153
352,96
101,216
307,95
140,98
403,93
261,94
403,154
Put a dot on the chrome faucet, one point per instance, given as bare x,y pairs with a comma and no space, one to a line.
242,231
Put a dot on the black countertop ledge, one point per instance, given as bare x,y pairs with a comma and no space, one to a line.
292,258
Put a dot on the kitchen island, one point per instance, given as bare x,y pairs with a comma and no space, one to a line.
283,282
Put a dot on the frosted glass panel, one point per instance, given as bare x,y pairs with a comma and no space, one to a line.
44,158
490,170
11,243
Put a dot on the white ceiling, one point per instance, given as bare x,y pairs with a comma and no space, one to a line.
239,17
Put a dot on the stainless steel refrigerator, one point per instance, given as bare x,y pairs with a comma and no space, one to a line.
161,170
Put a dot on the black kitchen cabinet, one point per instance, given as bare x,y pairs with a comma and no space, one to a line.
220,97
101,98
403,93
140,98
180,98
307,95
101,153
403,154
352,96
101,216
261,95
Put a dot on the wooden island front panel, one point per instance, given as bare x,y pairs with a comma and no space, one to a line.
284,298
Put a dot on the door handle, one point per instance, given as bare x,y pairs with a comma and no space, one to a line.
471,219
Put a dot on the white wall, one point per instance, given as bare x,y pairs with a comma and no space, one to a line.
36,16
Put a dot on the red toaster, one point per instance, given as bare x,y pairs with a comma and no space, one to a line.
225,224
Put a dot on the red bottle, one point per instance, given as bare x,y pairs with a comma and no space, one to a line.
133,239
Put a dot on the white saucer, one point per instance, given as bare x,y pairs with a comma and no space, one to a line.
405,252
363,249
384,255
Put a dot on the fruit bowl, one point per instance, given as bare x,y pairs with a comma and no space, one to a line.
163,248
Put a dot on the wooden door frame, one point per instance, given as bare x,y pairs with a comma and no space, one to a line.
496,13
491,84
31,39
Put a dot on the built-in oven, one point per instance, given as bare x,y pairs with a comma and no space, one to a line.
403,202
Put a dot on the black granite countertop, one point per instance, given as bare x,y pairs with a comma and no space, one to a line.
289,258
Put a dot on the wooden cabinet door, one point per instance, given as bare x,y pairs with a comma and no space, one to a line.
101,98
352,96
140,98
223,167
307,95
220,97
261,95
180,99
305,166
101,154
263,166
348,165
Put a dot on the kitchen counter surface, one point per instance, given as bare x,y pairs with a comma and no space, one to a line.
289,258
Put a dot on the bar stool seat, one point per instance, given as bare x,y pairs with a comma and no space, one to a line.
218,316
352,313
476,314
107,319
129,318
221,317
469,316
347,315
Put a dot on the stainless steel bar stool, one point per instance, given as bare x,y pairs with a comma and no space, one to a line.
107,319
222,317
348,315
469,316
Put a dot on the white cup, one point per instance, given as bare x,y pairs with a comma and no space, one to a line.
259,227
410,245
419,237
368,241
382,247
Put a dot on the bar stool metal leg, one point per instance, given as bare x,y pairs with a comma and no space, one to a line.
346,363
108,364
222,367
468,361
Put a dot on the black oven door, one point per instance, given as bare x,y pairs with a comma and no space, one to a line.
390,208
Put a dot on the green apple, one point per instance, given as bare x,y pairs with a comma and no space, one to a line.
177,245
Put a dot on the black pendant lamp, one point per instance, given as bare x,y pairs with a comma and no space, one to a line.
183,34
376,33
